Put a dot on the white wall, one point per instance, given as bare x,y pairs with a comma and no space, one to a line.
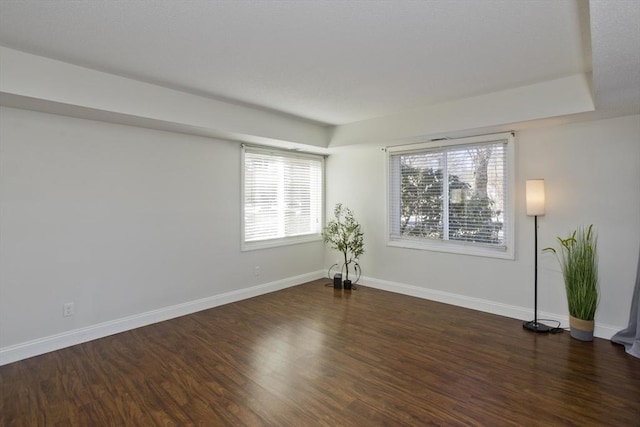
592,173
121,221
136,225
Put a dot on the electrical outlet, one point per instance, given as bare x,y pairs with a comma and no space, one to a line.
68,309
256,270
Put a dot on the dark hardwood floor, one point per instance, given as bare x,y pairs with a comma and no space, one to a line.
309,356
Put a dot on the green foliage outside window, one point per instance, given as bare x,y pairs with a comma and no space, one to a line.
472,214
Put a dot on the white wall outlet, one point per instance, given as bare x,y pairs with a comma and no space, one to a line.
256,270
68,309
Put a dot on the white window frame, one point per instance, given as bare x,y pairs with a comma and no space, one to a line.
287,240
450,246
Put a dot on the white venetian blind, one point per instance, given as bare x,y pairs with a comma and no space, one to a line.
282,194
456,193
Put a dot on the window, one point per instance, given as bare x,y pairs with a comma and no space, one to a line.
453,196
282,197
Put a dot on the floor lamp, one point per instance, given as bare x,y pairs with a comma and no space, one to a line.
535,208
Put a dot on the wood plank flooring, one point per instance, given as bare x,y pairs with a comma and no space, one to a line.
311,356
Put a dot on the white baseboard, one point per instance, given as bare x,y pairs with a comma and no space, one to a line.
77,336
512,311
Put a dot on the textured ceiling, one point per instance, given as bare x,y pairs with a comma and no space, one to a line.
616,46
334,62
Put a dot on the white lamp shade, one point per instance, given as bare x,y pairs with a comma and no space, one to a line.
535,197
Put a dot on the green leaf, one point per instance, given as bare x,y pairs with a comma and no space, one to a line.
578,260
343,233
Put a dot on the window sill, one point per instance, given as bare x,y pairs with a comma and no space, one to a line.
453,248
274,243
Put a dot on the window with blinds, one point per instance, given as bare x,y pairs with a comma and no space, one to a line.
282,197
453,196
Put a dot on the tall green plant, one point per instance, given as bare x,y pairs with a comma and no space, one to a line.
578,259
343,233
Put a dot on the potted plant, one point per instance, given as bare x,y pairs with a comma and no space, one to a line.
578,259
344,234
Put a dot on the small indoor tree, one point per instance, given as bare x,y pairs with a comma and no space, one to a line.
344,234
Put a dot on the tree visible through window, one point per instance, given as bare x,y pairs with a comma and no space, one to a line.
454,193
